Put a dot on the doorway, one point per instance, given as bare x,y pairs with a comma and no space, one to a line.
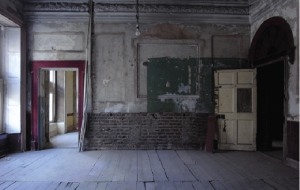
270,108
60,89
38,113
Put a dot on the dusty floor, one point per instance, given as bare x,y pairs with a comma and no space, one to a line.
63,141
66,168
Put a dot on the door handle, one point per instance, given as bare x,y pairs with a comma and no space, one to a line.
220,116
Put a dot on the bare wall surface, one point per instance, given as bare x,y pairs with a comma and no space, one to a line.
57,41
289,10
119,75
119,78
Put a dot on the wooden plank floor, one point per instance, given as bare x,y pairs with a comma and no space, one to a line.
56,169
69,140
63,167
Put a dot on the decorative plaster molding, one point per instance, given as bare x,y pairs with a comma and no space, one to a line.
56,7
225,13
176,2
186,2
56,16
149,8
117,17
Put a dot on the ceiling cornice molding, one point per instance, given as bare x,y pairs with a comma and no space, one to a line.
107,12
157,8
56,16
185,2
55,7
104,17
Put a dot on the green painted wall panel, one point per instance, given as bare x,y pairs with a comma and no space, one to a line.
176,72
180,73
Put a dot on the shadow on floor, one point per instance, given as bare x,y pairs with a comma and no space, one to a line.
277,150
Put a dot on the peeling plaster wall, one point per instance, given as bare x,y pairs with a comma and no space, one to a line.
119,76
119,79
289,10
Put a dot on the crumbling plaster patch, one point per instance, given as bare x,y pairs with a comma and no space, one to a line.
183,88
123,107
182,103
288,11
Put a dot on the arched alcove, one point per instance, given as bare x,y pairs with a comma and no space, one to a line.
273,39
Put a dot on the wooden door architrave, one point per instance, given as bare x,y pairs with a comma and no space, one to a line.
36,66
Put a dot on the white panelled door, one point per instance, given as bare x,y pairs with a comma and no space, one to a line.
235,97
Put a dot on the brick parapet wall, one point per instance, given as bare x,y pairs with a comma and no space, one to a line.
146,131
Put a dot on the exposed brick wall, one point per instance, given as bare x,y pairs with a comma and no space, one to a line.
146,131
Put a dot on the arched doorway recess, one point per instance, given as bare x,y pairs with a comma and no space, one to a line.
271,49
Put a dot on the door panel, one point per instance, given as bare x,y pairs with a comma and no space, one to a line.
245,77
225,78
226,101
235,97
245,130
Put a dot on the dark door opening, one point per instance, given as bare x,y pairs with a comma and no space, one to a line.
270,106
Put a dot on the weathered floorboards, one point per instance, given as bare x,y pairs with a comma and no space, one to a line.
144,170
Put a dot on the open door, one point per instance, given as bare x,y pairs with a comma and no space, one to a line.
235,97
43,107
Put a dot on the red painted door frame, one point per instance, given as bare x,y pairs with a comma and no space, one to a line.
36,65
